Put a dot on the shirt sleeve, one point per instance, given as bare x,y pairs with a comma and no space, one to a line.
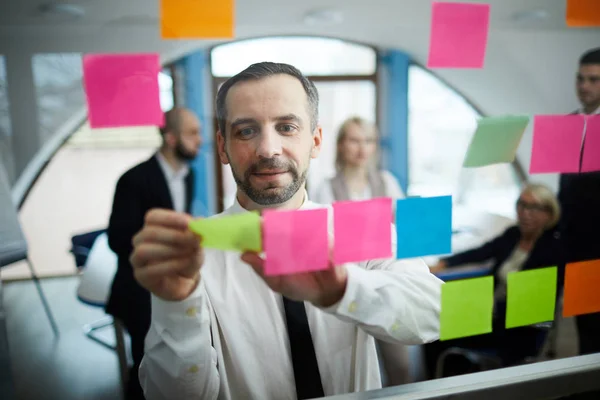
180,361
393,300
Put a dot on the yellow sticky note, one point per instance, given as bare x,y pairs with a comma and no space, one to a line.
197,19
239,232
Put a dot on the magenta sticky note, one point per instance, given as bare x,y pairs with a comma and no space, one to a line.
295,241
122,90
556,143
362,230
591,146
459,34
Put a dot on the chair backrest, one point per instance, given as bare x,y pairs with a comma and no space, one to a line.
82,244
98,273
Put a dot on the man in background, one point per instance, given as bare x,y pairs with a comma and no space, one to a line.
164,181
579,195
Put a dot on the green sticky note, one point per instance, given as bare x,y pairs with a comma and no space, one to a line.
467,307
496,140
530,297
239,232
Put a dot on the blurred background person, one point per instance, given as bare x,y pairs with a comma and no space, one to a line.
358,178
163,181
534,242
579,196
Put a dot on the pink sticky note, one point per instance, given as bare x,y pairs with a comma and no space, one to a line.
295,241
122,90
459,33
591,146
556,143
362,230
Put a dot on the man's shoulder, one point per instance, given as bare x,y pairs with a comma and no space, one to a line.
139,170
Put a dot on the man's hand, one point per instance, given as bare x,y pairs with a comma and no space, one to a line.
322,288
166,256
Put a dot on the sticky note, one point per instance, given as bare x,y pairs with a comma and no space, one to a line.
582,288
459,33
591,146
424,226
496,140
362,230
556,143
295,241
467,308
239,232
197,19
530,297
583,13
122,90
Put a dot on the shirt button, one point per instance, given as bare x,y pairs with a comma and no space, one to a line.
191,312
193,369
352,307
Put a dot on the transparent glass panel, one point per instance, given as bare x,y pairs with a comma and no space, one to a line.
5,126
441,124
335,57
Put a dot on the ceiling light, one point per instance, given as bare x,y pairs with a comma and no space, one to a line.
323,17
62,9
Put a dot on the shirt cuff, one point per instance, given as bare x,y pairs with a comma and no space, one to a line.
181,317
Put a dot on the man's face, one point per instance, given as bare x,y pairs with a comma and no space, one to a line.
268,139
588,85
188,139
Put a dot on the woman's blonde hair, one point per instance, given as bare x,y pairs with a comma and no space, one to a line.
342,132
547,198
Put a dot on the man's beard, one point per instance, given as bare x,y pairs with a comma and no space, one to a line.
272,194
183,154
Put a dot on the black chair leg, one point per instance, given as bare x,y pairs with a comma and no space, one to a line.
36,281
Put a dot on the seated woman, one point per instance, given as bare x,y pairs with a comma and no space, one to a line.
358,178
533,243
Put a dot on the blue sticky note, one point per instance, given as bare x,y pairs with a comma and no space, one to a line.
424,226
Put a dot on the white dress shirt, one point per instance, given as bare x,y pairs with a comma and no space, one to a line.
228,339
323,194
175,181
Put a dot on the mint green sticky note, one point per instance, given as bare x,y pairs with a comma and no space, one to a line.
530,297
239,232
467,307
496,140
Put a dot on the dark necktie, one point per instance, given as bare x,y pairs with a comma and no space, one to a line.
304,359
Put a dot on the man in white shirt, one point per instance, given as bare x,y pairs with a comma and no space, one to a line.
166,181
220,328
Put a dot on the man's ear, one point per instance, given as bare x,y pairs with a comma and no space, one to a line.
221,148
170,139
317,142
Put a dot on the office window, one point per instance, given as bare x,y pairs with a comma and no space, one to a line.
344,76
441,124
5,127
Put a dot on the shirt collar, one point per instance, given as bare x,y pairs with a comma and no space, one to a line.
170,173
597,112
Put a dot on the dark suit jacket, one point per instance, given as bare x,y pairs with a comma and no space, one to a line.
140,189
547,252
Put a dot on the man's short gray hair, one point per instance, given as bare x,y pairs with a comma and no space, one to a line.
263,70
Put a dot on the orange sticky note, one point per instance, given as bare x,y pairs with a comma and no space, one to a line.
197,19
582,283
583,13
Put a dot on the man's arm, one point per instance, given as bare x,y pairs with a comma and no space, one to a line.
180,362
393,300
127,216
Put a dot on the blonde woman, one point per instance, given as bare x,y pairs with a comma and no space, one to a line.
533,242
357,175
357,178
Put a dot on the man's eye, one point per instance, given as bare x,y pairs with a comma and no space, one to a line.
287,128
246,132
